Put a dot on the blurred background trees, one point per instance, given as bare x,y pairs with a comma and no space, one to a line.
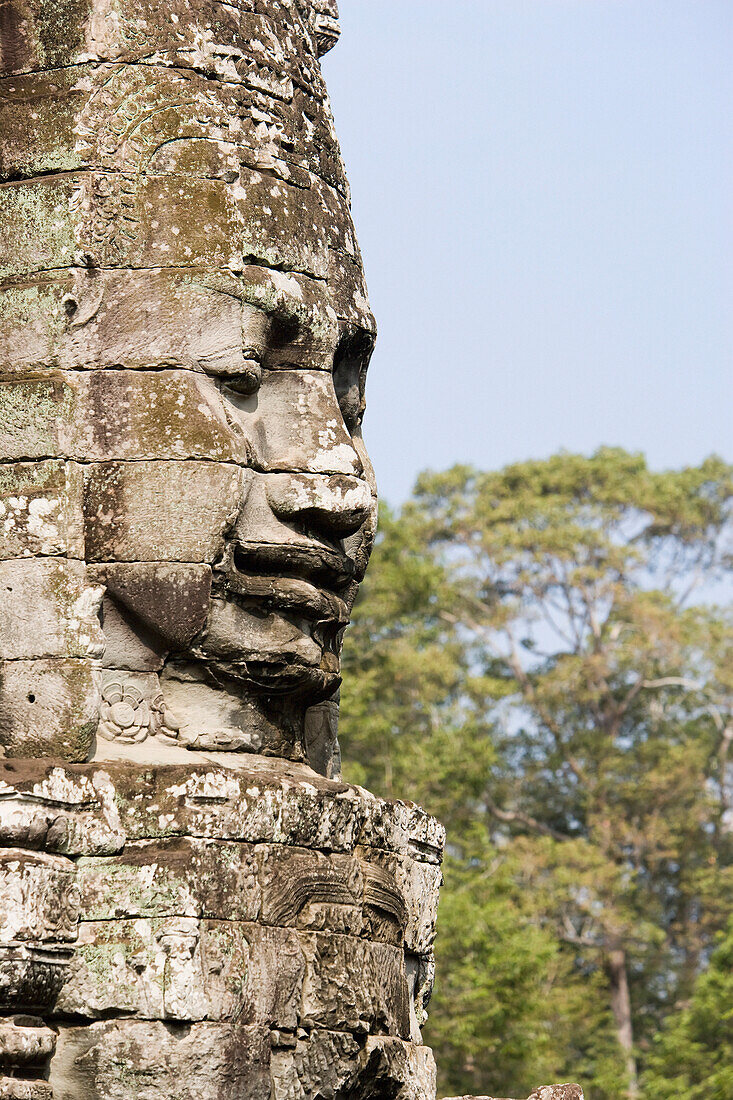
541,656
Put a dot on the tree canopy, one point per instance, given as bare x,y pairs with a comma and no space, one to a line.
541,656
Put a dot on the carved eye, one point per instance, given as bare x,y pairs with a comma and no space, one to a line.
349,372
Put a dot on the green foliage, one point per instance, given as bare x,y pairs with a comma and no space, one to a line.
508,1010
692,1057
528,662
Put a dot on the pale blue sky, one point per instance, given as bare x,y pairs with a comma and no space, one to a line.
542,191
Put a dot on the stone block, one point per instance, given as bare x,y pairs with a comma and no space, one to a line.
49,707
318,1065
187,318
172,600
179,877
390,1067
31,977
147,1060
25,1042
41,509
129,645
172,220
116,414
160,511
240,634
38,224
295,424
377,1002
213,36
39,899
545,1092
407,890
31,410
65,811
48,609
180,968
310,890
13,1088
38,112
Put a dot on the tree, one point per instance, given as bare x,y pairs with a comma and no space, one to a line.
692,1057
415,724
576,578
529,662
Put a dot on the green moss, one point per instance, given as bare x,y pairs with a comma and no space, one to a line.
35,218
60,27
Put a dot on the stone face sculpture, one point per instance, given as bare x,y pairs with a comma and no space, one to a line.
192,905
184,343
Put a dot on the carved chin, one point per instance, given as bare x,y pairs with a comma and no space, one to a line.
271,650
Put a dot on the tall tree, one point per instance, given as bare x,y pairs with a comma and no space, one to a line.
509,1009
576,579
539,659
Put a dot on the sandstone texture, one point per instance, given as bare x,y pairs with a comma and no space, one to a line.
227,930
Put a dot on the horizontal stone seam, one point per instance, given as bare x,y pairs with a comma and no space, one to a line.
139,843
247,261
18,179
43,373
206,272
256,468
152,61
284,844
304,933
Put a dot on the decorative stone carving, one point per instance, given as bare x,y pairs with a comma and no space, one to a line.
232,903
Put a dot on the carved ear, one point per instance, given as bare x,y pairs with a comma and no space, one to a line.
325,19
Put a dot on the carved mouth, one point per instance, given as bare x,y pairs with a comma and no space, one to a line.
302,580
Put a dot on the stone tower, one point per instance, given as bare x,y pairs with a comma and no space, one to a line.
193,906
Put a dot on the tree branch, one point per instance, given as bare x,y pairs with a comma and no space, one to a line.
514,817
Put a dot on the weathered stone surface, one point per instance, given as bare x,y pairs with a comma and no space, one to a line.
129,644
49,707
234,230
15,1089
173,928
171,600
378,1002
159,511
322,1063
115,414
176,877
48,609
41,509
302,888
148,1060
39,898
25,1041
252,799
31,976
57,809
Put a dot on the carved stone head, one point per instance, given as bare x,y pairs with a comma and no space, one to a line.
186,505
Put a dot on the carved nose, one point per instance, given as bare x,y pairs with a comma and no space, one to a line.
336,504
